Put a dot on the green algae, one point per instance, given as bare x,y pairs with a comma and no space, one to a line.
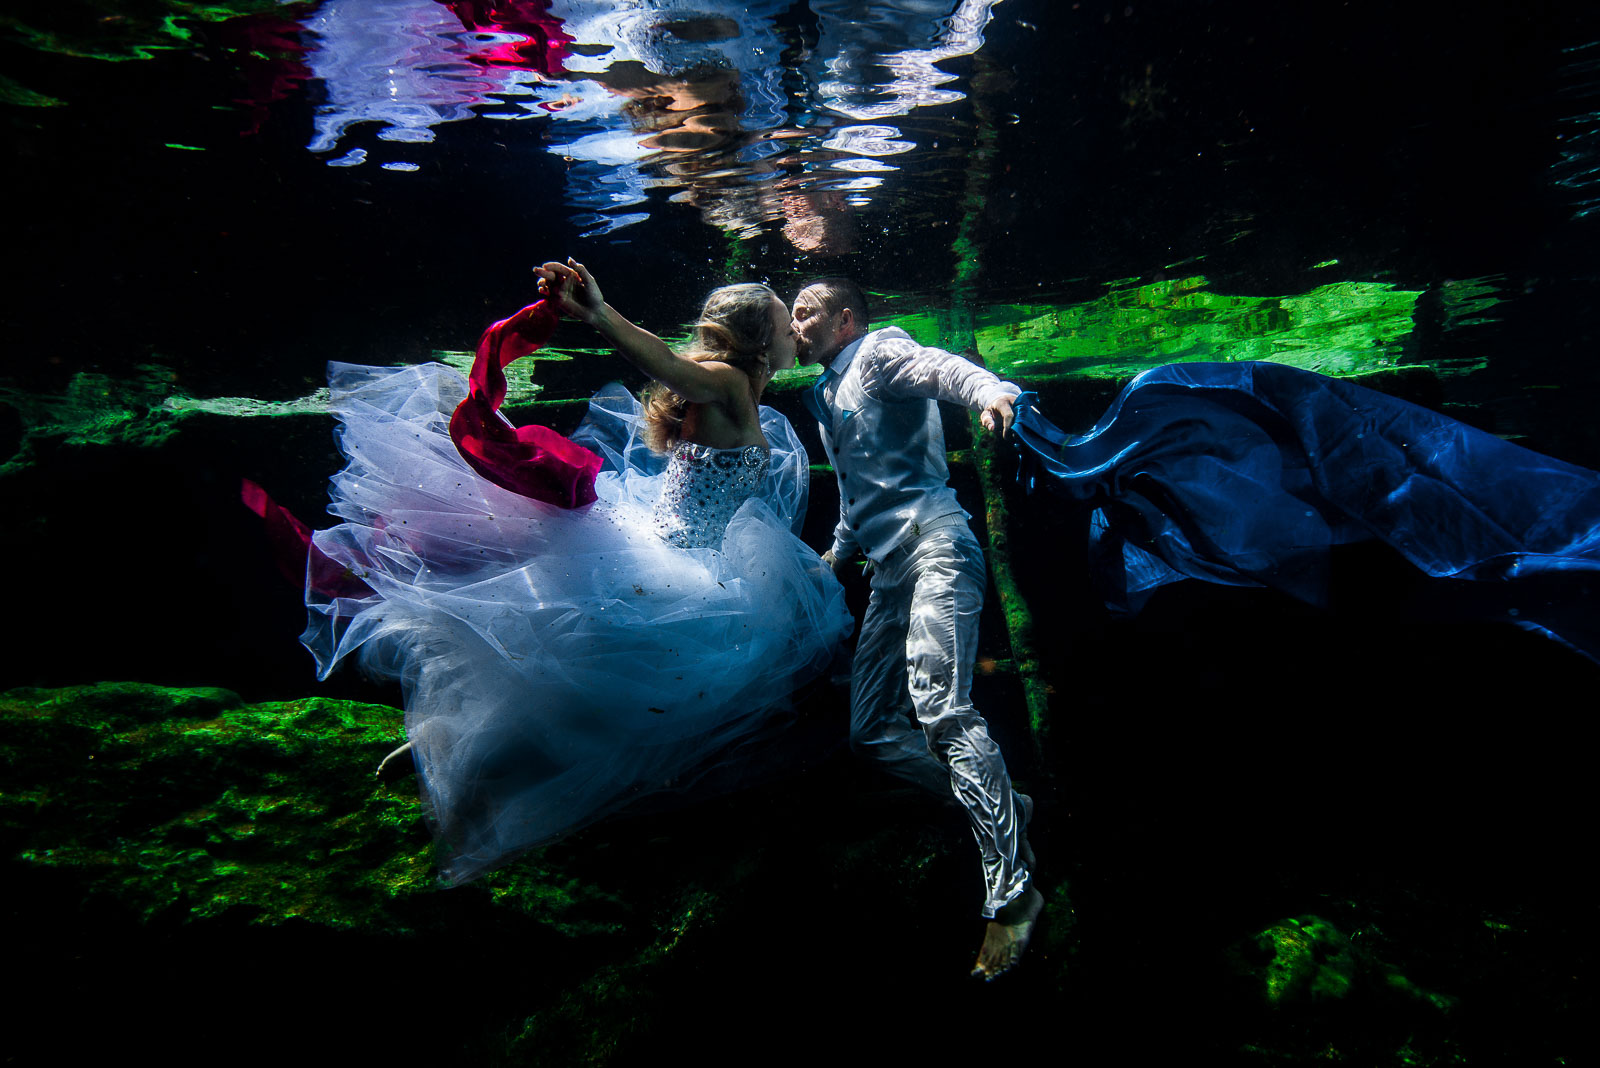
190,802
1013,604
1341,329
1308,960
16,94
141,410
520,386
610,1011
118,30
190,799
199,807
93,409
1467,300
317,402
974,195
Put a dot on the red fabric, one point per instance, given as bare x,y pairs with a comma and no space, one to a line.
540,44
290,542
270,56
534,461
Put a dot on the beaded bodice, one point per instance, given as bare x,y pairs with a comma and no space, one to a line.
703,487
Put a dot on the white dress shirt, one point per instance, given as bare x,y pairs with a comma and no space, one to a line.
886,442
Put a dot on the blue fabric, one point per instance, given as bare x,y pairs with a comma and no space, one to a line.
1249,473
816,403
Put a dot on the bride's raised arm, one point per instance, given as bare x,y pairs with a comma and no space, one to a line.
574,291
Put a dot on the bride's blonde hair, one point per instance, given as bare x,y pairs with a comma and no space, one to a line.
735,328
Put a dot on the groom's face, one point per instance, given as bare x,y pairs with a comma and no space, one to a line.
818,333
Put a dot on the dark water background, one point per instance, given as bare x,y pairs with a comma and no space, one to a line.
1273,148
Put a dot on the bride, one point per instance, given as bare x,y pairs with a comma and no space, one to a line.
561,663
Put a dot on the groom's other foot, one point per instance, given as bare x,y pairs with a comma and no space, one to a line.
1007,935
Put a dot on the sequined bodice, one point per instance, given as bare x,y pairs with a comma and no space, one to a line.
703,487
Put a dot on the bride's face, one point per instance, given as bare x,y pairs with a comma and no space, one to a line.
781,355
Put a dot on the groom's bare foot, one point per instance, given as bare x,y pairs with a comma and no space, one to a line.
1008,934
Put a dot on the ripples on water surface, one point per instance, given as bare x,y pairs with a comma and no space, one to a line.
754,115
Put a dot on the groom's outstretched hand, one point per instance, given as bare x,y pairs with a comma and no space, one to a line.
998,415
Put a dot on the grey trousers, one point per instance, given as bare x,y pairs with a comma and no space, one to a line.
914,658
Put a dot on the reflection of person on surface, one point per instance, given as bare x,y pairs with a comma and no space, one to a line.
875,402
712,391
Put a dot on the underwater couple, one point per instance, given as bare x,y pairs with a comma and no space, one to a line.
587,624
584,624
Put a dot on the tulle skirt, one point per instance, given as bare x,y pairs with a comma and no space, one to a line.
558,665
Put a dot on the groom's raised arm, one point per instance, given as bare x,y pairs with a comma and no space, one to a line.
901,368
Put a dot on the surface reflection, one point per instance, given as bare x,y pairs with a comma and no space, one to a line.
768,112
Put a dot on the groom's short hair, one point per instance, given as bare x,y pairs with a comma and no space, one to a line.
839,294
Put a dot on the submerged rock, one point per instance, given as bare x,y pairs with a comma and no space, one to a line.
189,800
1307,960
182,843
197,832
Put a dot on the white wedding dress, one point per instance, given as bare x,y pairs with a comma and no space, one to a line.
560,665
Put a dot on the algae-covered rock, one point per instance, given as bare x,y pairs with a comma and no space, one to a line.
261,828
1305,959
189,799
1308,960
172,838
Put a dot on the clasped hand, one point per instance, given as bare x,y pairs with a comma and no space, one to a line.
571,287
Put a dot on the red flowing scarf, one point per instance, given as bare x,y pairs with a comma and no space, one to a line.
289,541
533,461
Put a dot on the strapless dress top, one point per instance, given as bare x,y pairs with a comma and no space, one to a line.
703,488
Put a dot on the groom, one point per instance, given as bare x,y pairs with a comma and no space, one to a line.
876,403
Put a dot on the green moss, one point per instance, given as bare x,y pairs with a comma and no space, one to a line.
555,898
610,1011
191,802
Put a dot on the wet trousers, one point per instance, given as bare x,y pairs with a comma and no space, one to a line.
910,703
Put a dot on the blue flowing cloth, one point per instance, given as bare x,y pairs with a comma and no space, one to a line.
1248,474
